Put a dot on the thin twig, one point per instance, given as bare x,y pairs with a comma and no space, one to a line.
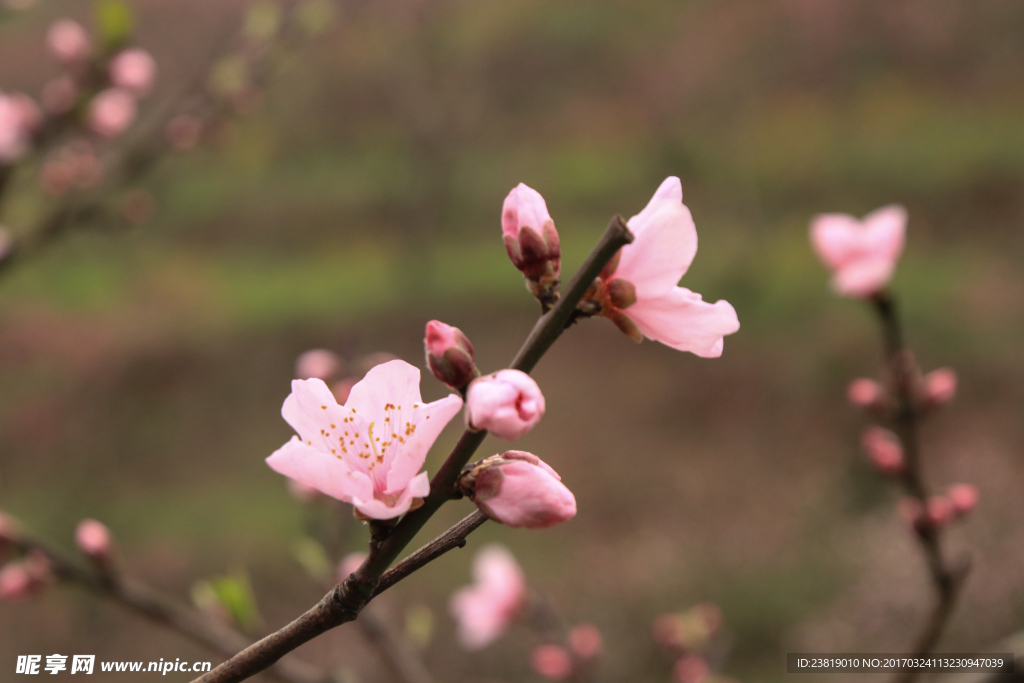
947,577
139,598
343,603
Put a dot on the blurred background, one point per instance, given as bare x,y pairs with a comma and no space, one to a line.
142,370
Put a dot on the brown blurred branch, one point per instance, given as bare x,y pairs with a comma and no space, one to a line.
397,652
344,603
946,576
143,600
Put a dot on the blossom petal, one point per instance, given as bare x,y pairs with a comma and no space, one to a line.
324,472
886,230
665,244
394,382
430,421
835,238
670,189
310,408
683,320
418,487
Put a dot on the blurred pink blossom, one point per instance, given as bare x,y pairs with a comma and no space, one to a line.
939,387
691,669
964,498
68,41
16,126
864,393
369,451
530,237
883,449
59,95
349,564
939,510
15,582
93,538
585,641
111,112
485,609
342,389
318,363
642,296
134,70
507,403
861,254
552,662
520,490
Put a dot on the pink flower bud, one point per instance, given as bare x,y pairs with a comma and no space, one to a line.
864,393
691,669
507,403
93,539
585,641
964,498
450,355
531,239
318,363
939,511
59,95
112,112
68,41
134,70
884,450
15,582
485,609
551,662
349,564
939,387
518,489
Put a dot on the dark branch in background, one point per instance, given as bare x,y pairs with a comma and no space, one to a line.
947,577
344,603
159,608
397,652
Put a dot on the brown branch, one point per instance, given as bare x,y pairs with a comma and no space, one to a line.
947,577
139,598
345,601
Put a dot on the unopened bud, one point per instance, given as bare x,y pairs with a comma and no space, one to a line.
939,511
508,403
964,498
518,489
883,449
864,393
93,538
15,582
450,355
585,641
939,387
532,241
552,662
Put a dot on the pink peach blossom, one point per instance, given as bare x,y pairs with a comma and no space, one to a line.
111,112
15,582
864,393
318,363
640,292
884,450
530,237
485,609
585,641
507,403
552,662
369,451
861,254
68,41
691,669
520,490
964,498
93,538
134,70
939,387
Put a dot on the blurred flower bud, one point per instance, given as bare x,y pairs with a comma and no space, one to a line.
585,641
15,137
68,41
507,403
111,112
318,363
964,498
134,70
59,95
939,387
183,131
349,564
865,394
532,241
551,662
450,355
15,582
883,449
486,608
93,538
691,669
518,489
939,511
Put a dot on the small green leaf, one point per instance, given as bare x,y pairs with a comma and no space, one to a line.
115,21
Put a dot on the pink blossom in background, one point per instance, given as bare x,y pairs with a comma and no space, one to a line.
861,254
68,41
59,95
883,449
15,134
691,669
15,582
939,387
963,497
643,297
939,510
485,609
519,489
552,662
93,539
111,112
864,393
318,363
349,564
507,403
134,70
370,451
585,641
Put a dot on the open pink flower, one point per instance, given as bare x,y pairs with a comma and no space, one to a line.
486,608
368,452
861,254
640,293
520,490
134,70
508,403
552,662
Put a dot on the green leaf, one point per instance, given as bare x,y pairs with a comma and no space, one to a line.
115,21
